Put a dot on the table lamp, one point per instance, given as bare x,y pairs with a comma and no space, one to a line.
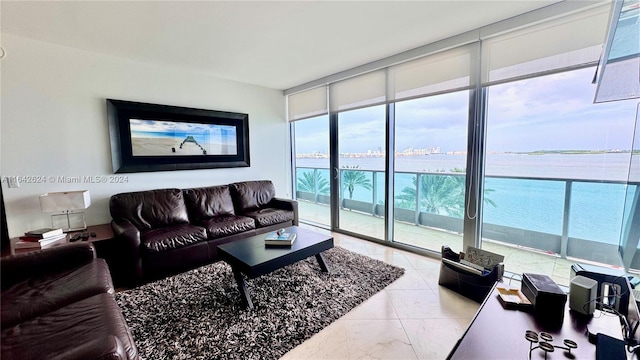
66,202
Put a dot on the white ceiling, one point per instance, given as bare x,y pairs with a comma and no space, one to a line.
274,44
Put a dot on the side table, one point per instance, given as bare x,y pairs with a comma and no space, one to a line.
106,247
112,251
103,232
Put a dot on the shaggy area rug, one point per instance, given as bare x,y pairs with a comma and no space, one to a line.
199,315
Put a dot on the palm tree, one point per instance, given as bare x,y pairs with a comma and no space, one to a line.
308,183
352,179
407,199
440,194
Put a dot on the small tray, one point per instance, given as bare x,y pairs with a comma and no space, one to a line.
512,298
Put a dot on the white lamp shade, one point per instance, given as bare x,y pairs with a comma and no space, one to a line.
64,201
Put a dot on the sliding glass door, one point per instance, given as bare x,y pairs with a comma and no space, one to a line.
430,170
361,171
312,175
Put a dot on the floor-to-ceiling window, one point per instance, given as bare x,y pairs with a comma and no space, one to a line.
493,142
430,168
556,170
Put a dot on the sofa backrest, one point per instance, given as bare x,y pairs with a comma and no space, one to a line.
206,202
149,209
251,195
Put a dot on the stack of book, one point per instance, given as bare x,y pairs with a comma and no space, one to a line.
40,239
280,238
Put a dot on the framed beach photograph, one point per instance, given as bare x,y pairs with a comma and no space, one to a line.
152,137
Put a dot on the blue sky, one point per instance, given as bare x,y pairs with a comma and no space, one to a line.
554,112
140,127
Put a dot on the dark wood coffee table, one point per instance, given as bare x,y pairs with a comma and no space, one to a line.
252,258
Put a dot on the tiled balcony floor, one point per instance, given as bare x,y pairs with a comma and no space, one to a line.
517,260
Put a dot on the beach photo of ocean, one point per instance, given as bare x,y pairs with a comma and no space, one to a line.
169,138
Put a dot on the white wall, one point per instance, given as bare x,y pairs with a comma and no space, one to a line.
53,123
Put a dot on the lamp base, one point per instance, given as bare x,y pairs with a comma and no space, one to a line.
69,222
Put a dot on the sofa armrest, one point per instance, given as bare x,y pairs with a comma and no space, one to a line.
286,204
16,268
125,230
127,237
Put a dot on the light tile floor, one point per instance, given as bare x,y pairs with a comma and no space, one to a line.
413,318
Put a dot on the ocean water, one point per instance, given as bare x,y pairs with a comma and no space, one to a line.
528,190
177,136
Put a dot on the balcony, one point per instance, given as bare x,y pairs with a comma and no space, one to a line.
540,225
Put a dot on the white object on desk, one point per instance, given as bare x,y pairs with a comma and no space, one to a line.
582,295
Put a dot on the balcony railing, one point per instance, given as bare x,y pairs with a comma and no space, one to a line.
569,217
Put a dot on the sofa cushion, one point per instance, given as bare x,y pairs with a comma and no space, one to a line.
207,202
150,209
172,237
221,226
267,217
33,297
252,195
92,328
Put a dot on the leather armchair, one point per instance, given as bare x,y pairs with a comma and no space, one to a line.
58,303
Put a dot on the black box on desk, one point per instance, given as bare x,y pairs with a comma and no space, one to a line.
546,296
471,285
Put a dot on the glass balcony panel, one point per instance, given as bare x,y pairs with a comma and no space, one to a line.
520,211
591,204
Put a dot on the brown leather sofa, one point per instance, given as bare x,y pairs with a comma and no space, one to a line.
166,231
58,303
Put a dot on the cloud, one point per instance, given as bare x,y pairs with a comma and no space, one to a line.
556,112
155,126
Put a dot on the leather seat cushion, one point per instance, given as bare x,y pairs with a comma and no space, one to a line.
172,237
252,195
206,202
150,209
33,297
221,226
93,328
270,216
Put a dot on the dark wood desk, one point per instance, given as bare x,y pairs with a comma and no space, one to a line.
497,333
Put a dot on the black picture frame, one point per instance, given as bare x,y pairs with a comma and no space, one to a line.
146,137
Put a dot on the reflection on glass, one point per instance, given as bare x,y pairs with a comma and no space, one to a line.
630,237
620,67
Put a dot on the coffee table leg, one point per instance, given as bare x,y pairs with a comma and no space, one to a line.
242,287
322,262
